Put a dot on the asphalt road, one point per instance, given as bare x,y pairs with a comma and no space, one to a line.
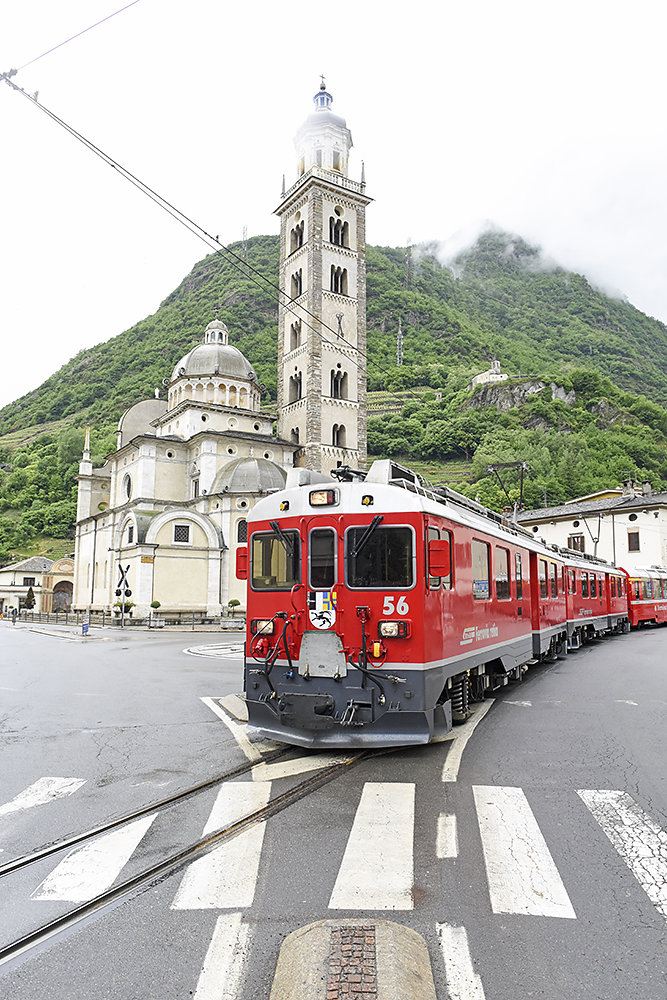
508,872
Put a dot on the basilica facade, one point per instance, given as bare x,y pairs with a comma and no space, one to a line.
168,508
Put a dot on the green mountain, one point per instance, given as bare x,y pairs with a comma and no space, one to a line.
601,365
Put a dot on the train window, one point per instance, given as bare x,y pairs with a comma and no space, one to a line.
386,558
594,592
322,559
431,534
584,584
542,569
636,588
572,581
554,579
612,585
519,576
481,572
435,582
275,560
502,573
647,590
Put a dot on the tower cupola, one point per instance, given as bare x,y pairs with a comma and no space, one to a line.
324,140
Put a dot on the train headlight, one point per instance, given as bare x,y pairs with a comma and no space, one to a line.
262,626
323,498
393,630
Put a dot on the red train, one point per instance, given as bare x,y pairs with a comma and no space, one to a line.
377,608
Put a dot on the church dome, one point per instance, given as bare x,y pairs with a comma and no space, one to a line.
249,475
215,357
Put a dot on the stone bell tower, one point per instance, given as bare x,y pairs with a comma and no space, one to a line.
322,313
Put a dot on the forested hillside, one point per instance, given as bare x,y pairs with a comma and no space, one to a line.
584,406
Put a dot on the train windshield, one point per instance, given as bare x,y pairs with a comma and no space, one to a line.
275,560
386,559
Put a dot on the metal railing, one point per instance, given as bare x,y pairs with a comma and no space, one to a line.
157,620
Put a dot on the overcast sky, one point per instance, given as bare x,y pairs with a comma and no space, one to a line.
545,118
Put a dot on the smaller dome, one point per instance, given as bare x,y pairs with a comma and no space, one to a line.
249,475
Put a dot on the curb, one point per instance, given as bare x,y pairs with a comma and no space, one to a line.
353,960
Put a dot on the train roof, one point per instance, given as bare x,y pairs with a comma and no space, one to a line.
395,489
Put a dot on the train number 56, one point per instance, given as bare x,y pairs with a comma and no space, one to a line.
402,607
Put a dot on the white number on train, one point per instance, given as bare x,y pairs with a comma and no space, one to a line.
402,607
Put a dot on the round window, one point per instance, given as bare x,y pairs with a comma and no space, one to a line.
256,426
338,210
575,524
170,454
267,454
535,528
127,485
633,517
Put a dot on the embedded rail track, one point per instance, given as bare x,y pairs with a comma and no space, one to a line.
169,864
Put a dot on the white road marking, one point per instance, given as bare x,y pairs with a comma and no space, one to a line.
521,873
522,704
376,872
447,842
89,870
620,701
638,839
226,877
463,983
238,730
42,791
288,768
221,973
220,650
450,770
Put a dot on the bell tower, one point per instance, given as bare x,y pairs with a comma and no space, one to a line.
322,313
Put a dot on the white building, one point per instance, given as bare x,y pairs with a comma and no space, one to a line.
169,505
494,374
50,582
627,527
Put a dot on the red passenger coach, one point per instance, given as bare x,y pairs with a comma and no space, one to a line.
377,608
647,596
596,598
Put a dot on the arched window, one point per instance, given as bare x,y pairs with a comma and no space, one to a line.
297,283
294,435
295,335
339,279
296,237
339,232
338,436
242,531
295,387
338,384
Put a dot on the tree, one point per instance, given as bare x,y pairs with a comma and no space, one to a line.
30,599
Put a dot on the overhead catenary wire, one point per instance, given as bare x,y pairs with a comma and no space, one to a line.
77,35
245,268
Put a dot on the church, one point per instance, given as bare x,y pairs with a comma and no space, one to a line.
169,506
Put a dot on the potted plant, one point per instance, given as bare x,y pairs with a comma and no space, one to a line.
232,605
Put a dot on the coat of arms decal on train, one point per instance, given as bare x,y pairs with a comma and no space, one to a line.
322,608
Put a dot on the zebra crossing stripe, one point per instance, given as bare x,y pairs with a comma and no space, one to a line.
225,878
521,873
222,971
376,872
89,870
447,841
463,983
40,792
638,839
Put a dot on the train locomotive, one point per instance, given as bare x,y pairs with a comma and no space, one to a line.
377,608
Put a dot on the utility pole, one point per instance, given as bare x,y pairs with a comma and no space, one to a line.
245,243
399,345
